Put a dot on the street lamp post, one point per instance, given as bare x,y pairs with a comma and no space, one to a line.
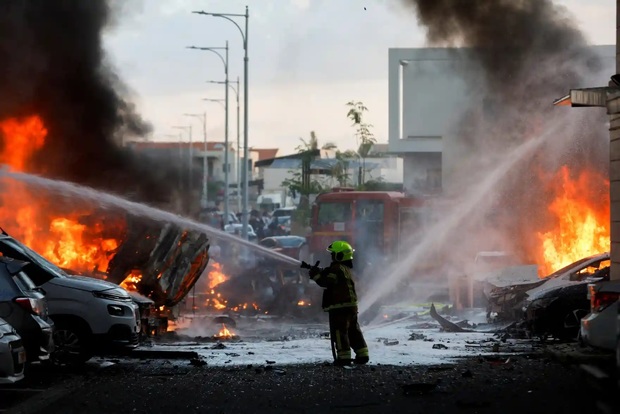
245,35
205,162
238,161
226,161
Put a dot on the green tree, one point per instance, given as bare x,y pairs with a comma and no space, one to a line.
363,133
296,182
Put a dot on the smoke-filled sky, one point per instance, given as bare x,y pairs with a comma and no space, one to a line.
307,59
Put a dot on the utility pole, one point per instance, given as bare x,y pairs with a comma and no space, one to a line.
226,142
245,35
238,151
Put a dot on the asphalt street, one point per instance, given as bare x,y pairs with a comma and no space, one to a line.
519,384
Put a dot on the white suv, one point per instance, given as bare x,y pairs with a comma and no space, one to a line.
90,316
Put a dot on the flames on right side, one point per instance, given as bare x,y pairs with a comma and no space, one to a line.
580,219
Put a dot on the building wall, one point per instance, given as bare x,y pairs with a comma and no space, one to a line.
613,106
427,94
613,109
428,90
273,177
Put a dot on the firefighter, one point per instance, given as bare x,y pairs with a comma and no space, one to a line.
340,300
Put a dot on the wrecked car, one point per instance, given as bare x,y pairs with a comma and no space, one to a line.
557,307
507,291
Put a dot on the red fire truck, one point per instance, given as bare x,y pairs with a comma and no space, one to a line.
374,222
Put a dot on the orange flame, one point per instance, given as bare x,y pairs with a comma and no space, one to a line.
216,276
303,303
22,138
132,280
224,333
38,221
582,221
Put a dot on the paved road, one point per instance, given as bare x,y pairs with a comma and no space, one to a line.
480,385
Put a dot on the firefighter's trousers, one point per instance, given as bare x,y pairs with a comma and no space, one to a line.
345,333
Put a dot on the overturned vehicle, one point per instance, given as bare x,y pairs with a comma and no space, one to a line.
158,263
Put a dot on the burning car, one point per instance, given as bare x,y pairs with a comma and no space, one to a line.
506,295
557,307
89,315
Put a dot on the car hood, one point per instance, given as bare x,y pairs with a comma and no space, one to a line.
85,283
555,285
140,299
512,276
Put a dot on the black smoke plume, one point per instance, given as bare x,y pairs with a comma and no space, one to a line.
52,64
523,54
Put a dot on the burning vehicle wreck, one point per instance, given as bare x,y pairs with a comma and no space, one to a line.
553,305
158,264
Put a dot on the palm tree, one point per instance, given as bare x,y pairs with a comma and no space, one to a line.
366,138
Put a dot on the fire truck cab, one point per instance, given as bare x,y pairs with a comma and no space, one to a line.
374,222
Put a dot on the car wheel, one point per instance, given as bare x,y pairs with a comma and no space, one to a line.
70,345
571,324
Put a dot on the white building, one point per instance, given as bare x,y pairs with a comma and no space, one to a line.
427,96
388,169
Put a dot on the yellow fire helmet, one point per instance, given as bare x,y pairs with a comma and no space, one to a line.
342,250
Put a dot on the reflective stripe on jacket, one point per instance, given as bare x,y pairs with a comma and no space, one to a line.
337,279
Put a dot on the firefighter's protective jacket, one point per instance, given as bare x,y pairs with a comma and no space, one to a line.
337,279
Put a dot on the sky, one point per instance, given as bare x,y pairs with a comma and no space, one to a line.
307,59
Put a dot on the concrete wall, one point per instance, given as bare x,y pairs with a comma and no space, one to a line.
613,106
613,109
427,94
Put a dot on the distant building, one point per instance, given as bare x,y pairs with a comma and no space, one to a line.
427,96
379,166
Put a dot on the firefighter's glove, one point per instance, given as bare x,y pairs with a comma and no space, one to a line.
314,271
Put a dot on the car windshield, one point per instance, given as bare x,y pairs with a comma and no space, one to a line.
231,228
16,250
290,241
282,212
569,267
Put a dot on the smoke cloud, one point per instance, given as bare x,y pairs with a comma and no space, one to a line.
511,141
524,54
54,66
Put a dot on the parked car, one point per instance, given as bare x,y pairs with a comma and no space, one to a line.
598,328
91,316
23,305
506,297
283,212
556,309
278,226
292,246
12,354
237,229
